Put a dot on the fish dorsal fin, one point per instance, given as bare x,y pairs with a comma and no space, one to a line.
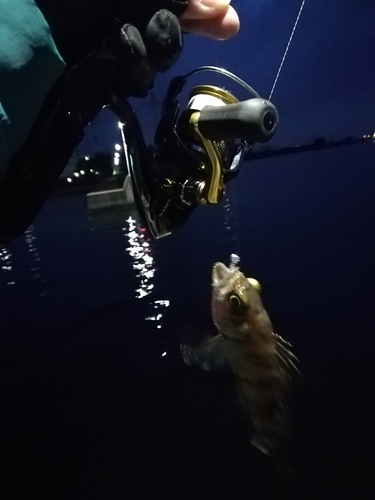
287,359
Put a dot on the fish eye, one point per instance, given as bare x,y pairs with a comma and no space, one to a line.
235,300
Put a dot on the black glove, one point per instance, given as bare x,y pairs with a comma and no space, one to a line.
141,57
124,63
118,60
144,34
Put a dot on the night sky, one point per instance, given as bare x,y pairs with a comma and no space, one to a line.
326,87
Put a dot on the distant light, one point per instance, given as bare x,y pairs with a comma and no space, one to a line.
164,354
69,179
120,125
87,158
76,174
117,147
91,170
164,303
117,155
117,161
82,172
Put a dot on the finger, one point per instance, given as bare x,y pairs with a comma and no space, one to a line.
205,9
221,27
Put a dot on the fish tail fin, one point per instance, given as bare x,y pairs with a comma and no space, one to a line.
259,444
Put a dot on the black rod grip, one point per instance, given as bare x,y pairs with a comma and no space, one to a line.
255,120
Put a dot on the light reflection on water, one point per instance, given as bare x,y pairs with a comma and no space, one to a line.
35,265
9,269
7,266
140,248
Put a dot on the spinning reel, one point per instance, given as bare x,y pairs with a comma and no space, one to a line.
196,151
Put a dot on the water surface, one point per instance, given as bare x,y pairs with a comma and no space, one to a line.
99,404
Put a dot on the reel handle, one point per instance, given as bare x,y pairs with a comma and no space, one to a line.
254,120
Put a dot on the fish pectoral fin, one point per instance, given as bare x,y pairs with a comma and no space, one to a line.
208,354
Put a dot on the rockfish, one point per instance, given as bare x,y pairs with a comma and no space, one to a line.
260,360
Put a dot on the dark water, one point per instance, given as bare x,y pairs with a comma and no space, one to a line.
99,404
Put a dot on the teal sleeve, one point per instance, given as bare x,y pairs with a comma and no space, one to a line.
29,66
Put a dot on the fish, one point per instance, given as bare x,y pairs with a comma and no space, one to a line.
261,361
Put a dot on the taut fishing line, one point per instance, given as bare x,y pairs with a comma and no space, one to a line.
287,48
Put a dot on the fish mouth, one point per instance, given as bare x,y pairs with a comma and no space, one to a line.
223,278
220,273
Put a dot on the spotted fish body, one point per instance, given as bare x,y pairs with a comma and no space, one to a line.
260,360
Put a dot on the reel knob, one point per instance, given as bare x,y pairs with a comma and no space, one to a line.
255,120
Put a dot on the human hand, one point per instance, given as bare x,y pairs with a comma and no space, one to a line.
212,18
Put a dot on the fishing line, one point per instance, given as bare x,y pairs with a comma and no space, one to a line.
287,48
231,222
229,200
